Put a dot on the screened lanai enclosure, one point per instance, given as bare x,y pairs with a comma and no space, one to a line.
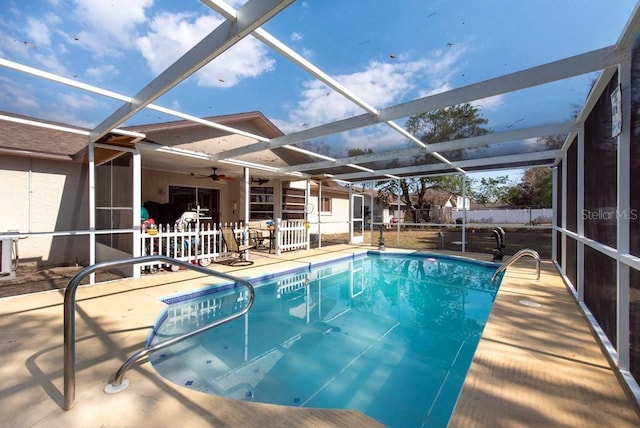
285,118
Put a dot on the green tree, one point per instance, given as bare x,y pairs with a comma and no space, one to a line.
445,124
534,190
358,152
492,189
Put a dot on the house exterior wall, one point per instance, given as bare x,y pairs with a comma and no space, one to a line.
44,196
336,221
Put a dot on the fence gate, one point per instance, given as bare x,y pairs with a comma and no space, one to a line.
356,228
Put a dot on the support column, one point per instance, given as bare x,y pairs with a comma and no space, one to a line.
92,210
319,216
464,213
623,215
580,220
398,211
137,206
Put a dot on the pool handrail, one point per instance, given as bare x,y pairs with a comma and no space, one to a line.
523,252
117,384
69,315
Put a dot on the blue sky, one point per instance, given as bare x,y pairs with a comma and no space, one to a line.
386,52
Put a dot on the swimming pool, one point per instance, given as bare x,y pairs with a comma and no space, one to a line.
390,335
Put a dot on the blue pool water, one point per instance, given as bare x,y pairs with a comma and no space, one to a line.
391,336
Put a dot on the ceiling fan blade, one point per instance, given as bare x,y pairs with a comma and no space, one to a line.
214,176
258,180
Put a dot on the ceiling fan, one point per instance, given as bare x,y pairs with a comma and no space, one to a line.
258,180
214,176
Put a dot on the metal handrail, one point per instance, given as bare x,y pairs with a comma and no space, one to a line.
119,383
70,310
516,256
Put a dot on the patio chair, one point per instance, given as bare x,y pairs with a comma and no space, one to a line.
261,235
233,246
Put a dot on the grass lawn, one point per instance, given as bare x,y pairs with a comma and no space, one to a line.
477,240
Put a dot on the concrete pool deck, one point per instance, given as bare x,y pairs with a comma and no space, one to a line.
534,366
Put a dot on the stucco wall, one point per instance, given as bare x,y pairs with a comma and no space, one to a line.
336,221
44,196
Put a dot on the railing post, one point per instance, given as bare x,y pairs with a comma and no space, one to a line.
278,234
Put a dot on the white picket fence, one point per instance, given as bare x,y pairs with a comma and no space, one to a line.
291,235
204,244
195,245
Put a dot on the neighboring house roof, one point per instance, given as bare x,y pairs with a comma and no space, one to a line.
439,197
333,189
21,139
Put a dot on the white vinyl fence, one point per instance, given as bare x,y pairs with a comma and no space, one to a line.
533,216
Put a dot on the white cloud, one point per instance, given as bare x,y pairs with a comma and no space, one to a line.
171,35
47,37
112,21
38,33
77,102
102,72
484,104
50,62
103,28
20,98
491,103
69,118
47,102
374,137
380,84
438,88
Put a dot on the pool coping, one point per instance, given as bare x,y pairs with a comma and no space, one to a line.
510,382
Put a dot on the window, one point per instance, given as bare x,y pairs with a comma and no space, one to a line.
325,205
261,201
293,203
